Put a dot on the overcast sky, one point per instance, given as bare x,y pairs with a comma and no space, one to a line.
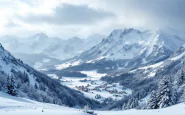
66,18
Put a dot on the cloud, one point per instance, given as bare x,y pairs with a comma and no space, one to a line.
85,17
155,13
11,24
67,14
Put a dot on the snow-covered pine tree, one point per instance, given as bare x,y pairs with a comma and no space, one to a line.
132,103
128,105
36,87
152,103
98,96
165,93
86,108
181,79
124,106
136,102
182,98
11,86
175,96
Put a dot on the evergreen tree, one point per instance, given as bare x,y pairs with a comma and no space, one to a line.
11,86
152,103
86,108
128,105
132,103
164,97
181,78
165,93
175,96
136,103
36,87
98,96
182,98
124,106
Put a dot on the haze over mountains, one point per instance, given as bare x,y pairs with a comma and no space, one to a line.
47,50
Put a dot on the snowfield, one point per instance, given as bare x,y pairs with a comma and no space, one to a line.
178,57
93,74
95,86
67,64
20,106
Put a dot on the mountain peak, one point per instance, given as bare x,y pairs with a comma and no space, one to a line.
1,47
127,35
40,35
124,31
72,39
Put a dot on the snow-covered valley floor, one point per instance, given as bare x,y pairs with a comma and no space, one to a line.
10,105
91,86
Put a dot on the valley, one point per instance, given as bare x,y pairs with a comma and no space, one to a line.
124,69
117,74
94,88
92,57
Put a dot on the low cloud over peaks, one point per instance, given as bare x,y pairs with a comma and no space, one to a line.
67,14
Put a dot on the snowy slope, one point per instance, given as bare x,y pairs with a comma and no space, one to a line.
176,58
175,62
143,79
35,85
20,106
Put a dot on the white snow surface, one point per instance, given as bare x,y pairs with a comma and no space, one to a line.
93,74
152,66
20,106
93,80
149,70
53,76
178,56
67,64
7,64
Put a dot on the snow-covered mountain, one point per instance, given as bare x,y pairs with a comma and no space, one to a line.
27,82
130,43
47,47
172,65
131,47
65,49
148,77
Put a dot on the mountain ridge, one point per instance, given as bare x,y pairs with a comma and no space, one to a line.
133,47
41,44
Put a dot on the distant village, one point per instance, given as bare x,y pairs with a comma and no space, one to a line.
93,86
